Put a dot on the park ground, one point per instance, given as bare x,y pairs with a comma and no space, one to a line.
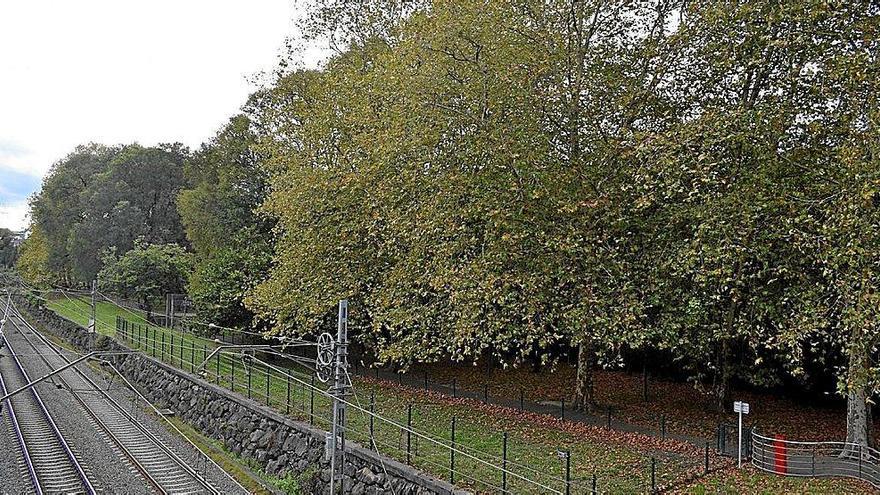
620,460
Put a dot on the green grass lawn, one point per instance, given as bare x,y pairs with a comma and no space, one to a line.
536,445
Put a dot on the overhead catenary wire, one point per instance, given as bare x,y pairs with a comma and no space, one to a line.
364,412
133,389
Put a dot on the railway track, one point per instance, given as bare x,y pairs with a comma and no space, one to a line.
50,463
157,463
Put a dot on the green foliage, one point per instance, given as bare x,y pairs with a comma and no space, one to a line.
231,241
147,272
99,198
33,259
8,248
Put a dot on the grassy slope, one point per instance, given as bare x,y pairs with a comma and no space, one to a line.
621,462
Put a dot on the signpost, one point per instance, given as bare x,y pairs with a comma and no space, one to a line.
740,408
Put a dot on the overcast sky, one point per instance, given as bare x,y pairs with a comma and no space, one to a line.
119,71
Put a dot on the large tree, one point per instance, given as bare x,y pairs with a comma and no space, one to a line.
460,180
232,242
146,273
134,197
8,248
58,207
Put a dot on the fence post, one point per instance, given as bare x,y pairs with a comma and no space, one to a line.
426,381
486,393
232,376
268,378
192,357
287,407
593,489
171,349
562,407
609,417
312,402
409,434
504,463
663,426
163,346
249,366
372,412
377,373
452,454
813,460
218,367
653,475
454,386
707,457
522,397
567,472
645,383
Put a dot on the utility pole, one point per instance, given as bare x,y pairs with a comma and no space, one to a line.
340,391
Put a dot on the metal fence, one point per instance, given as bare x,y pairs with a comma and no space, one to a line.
727,440
820,459
422,434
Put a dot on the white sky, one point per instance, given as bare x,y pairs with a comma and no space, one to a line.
119,71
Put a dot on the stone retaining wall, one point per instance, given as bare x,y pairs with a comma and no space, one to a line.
279,444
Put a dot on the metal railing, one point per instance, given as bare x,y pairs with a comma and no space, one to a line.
815,459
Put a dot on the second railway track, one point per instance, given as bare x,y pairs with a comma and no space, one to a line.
50,462
165,471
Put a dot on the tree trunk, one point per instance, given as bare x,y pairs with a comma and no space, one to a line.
858,410
722,391
584,398
722,387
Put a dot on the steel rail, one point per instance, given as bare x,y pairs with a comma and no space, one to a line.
97,420
165,451
18,435
75,466
29,464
